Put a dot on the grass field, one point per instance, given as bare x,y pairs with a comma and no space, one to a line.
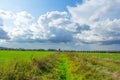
114,56
59,66
6,56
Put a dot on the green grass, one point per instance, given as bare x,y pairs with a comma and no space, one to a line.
114,56
6,56
35,65
64,68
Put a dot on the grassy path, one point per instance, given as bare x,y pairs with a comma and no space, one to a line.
83,67
62,66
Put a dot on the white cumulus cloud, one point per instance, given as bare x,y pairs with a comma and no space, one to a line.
6,14
52,27
103,18
93,21
23,18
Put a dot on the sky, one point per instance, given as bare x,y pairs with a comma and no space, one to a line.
65,24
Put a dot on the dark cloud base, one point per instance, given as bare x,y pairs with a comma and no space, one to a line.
3,35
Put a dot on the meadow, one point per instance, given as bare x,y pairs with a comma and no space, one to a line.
37,65
114,56
7,56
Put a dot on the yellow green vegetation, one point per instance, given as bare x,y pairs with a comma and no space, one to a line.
62,66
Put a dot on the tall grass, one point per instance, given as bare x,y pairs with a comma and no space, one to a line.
61,66
34,69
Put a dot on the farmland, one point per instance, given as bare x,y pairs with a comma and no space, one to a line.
114,56
6,56
36,65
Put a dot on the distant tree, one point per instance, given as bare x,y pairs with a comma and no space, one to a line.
59,49
52,50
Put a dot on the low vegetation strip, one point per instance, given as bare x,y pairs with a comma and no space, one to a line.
65,68
62,66
95,68
114,56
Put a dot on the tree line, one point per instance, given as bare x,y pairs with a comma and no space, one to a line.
22,49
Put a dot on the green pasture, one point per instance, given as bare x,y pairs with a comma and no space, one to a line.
45,65
114,56
26,55
17,55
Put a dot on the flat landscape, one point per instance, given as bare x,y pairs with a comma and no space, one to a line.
46,65
60,40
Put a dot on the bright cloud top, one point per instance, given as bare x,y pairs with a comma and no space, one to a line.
93,21
103,18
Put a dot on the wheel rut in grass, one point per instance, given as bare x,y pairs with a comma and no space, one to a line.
68,68
64,68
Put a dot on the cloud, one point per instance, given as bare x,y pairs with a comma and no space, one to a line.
95,10
103,20
61,35
1,22
111,42
101,31
3,35
18,18
54,27
53,19
6,14
91,22
22,18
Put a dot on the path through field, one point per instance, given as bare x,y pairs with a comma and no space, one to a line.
62,66
83,67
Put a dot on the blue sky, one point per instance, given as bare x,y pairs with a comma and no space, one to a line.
65,24
37,7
